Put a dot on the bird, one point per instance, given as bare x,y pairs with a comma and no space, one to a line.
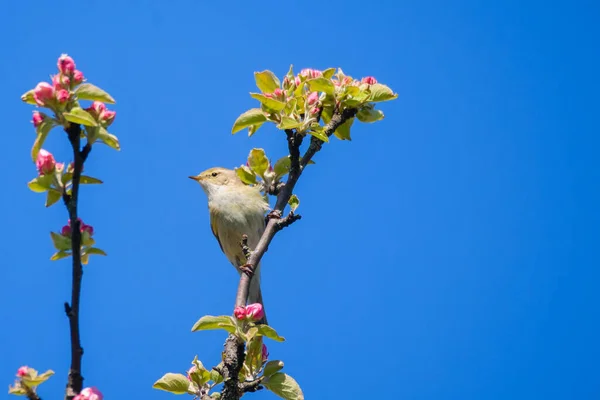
235,209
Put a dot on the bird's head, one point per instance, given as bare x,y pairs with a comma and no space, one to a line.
213,179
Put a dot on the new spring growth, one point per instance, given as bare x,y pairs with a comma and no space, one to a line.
89,393
45,162
253,312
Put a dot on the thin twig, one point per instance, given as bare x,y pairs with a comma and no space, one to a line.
251,386
75,379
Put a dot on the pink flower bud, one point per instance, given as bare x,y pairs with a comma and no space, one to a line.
297,81
66,65
60,81
311,73
43,93
108,116
369,80
265,353
312,98
255,311
269,95
240,313
38,118
278,92
90,393
315,110
45,162
24,370
87,228
98,106
78,77
66,231
62,96
190,372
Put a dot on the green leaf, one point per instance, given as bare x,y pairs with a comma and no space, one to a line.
319,134
328,73
246,175
52,197
294,202
367,114
35,379
327,113
268,102
78,115
95,250
284,386
321,84
267,331
282,166
89,180
343,131
108,139
200,376
59,255
381,92
271,367
60,242
85,259
16,390
173,383
27,97
42,133
288,123
253,128
214,322
258,162
266,81
252,117
41,183
253,360
87,91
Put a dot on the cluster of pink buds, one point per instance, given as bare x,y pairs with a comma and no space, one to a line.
311,73
66,230
45,162
24,370
277,94
89,393
100,113
253,312
313,100
46,94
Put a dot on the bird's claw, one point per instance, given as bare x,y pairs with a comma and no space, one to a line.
248,269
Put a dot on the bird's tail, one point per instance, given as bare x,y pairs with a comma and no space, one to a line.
255,294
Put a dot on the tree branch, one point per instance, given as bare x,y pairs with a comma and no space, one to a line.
234,349
75,379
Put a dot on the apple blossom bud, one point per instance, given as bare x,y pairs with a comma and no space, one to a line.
60,81
315,110
62,95
311,73
90,393
66,231
87,228
278,92
297,81
312,98
66,65
268,95
43,93
190,372
24,370
240,313
265,353
45,162
255,311
98,106
78,77
369,80
38,118
108,117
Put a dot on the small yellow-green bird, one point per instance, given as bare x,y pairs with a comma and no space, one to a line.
235,209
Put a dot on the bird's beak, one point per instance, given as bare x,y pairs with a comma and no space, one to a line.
195,178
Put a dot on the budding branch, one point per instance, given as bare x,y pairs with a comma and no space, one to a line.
75,380
234,348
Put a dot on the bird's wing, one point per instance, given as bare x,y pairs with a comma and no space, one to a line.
213,228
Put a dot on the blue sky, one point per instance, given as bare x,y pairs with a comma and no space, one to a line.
447,252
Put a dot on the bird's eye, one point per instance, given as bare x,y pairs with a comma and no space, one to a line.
215,174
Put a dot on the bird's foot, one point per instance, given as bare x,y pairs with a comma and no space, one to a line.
248,269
